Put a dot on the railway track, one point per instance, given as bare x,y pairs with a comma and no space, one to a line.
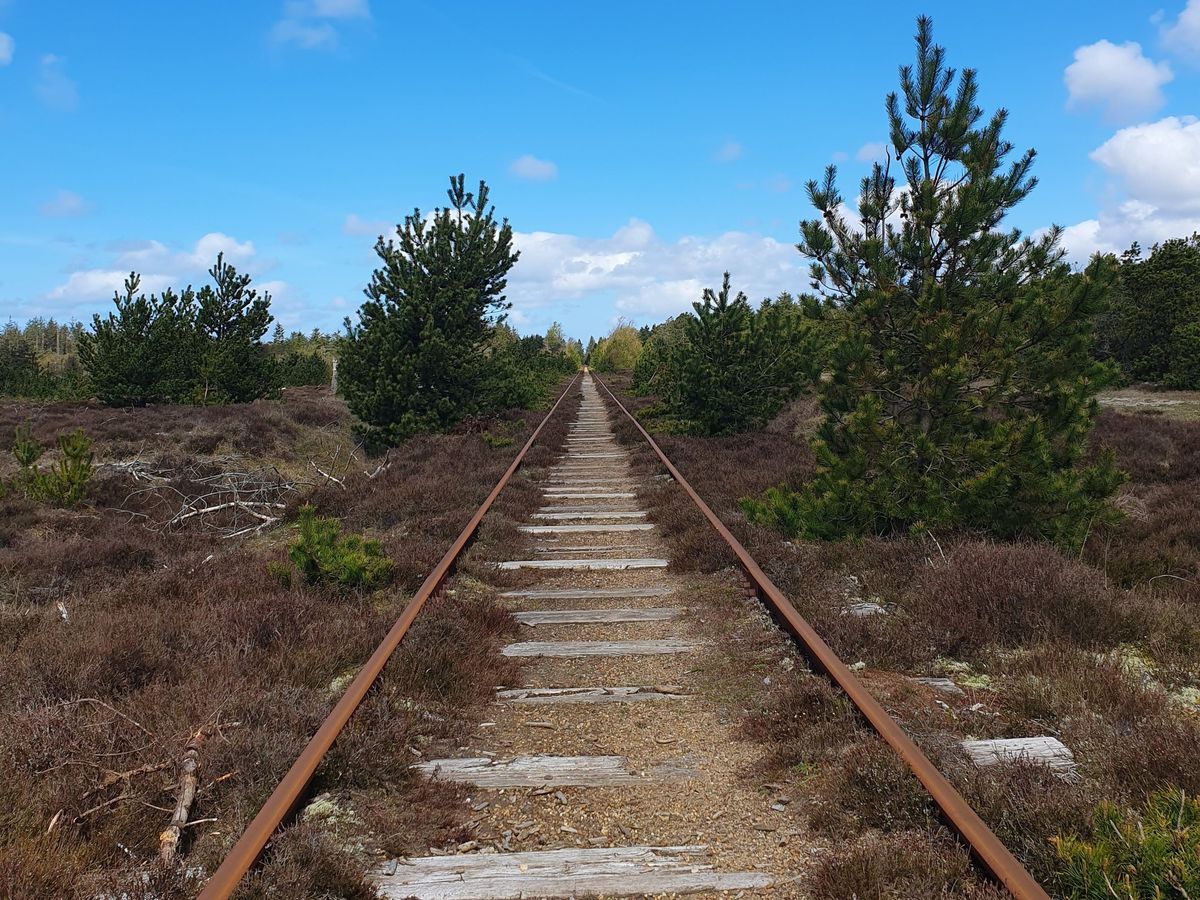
610,770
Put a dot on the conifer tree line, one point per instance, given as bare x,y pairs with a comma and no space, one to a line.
1152,326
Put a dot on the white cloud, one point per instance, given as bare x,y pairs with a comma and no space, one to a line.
1158,162
642,276
1154,179
306,23
53,87
533,169
728,152
7,45
1184,36
358,226
872,151
99,284
1119,79
158,264
64,204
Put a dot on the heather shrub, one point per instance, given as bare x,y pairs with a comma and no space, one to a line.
900,866
1001,594
1156,854
323,554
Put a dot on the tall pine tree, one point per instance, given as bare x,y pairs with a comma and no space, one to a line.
415,361
962,386
232,319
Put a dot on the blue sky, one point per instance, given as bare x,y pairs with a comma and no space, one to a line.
637,148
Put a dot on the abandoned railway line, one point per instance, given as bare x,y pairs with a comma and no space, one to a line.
611,769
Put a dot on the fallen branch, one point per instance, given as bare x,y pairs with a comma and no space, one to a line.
339,482
168,841
382,467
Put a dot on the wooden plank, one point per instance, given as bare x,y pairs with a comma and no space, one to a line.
589,548
547,696
591,593
599,455
555,771
863,609
581,649
561,514
583,564
584,616
589,495
945,685
1045,751
587,529
573,872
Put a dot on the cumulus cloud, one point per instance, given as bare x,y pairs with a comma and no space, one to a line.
307,24
1158,162
642,276
159,265
1154,180
871,151
1183,37
533,169
65,204
1117,78
7,45
52,86
728,152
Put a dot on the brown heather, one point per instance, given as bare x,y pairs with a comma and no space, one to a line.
166,632
1064,641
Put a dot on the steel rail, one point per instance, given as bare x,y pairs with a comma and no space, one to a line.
988,848
291,789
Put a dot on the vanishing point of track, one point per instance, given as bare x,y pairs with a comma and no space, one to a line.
588,500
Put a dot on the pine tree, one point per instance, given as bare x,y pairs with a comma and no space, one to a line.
278,336
415,361
145,352
232,319
734,367
962,386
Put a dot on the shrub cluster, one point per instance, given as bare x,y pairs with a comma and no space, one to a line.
324,555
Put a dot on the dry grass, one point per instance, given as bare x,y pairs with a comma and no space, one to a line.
169,631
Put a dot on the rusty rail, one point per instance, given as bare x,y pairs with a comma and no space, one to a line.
983,842
291,789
